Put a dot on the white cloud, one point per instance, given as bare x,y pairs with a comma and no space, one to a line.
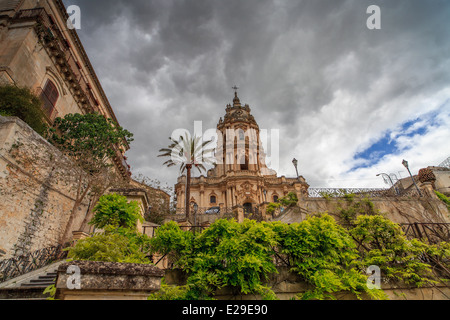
309,68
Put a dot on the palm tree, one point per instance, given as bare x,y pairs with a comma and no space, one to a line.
188,152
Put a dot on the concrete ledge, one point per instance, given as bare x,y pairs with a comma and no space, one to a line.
109,281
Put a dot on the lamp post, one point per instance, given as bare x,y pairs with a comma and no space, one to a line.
406,165
295,162
387,178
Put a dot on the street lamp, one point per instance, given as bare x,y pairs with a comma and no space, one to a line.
295,162
406,165
387,178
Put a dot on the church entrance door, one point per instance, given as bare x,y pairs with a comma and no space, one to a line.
248,208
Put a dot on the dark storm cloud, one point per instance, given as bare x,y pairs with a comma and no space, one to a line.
309,68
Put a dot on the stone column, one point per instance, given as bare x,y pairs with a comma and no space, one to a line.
181,204
229,204
202,203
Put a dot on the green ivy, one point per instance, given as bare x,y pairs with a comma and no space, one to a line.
328,257
383,243
325,256
226,254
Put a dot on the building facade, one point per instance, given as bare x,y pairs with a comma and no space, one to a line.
240,178
38,184
39,51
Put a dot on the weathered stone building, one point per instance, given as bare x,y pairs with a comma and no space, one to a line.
39,51
241,178
38,184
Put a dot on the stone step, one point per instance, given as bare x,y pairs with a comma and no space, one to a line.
47,277
31,287
41,282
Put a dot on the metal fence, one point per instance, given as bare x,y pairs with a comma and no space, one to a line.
360,192
15,267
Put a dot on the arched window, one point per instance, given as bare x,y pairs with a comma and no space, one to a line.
213,200
241,135
275,199
244,163
49,96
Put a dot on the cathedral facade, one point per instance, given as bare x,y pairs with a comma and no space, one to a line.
240,177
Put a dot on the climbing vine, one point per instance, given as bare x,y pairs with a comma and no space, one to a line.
328,257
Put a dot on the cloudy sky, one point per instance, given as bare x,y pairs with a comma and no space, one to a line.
349,102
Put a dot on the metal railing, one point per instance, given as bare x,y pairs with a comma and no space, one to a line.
360,192
16,267
206,211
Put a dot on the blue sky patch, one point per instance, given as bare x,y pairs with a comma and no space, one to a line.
387,144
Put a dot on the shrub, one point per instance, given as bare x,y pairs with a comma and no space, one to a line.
114,210
328,257
24,104
115,245
120,241
325,256
384,244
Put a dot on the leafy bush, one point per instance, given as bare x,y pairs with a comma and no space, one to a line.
327,256
24,104
324,254
120,241
384,244
114,210
226,254
172,293
115,245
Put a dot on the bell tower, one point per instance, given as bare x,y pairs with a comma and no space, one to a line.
240,183
239,149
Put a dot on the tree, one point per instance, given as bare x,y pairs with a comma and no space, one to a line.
92,141
22,103
188,152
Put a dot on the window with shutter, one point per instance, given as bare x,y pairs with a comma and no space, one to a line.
50,96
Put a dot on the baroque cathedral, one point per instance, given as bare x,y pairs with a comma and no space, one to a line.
240,178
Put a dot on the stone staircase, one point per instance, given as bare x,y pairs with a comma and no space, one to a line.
30,286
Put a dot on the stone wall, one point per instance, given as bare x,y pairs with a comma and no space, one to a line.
107,281
37,190
428,209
